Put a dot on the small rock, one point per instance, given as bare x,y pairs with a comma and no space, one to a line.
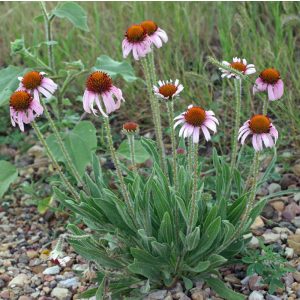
289,252
258,223
256,296
24,298
71,282
271,237
52,270
5,294
254,243
169,297
254,282
80,267
181,296
268,212
32,254
2,283
232,279
296,276
61,293
296,170
296,222
274,188
297,197
36,151
23,259
272,297
199,295
157,295
19,280
291,211
278,205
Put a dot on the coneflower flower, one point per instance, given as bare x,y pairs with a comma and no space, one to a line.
196,120
269,80
238,64
168,90
137,41
35,82
156,34
130,127
99,86
262,131
23,108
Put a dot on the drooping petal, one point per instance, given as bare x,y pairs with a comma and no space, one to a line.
259,86
205,132
278,89
196,134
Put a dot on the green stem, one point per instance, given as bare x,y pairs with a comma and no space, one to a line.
265,105
48,32
130,137
155,113
116,162
238,91
62,146
170,107
189,154
240,227
194,154
51,156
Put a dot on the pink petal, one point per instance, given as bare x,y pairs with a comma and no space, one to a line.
259,86
205,132
196,134
278,89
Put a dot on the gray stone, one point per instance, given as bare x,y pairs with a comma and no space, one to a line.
271,237
71,282
254,243
157,295
297,197
274,188
256,296
272,297
19,280
296,221
52,270
60,293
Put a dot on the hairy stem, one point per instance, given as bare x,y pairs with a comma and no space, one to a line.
155,113
170,108
48,31
116,162
62,146
131,141
240,228
238,91
265,105
64,179
194,154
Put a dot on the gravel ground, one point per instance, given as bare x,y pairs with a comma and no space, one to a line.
26,238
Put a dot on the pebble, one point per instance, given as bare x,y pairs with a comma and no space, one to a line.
19,280
157,295
256,296
5,294
297,197
2,283
71,282
258,223
24,298
270,237
274,188
289,252
60,293
199,295
272,297
52,270
296,222
254,243
232,279
278,205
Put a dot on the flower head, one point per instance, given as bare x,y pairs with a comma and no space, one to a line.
23,108
35,82
262,130
196,120
99,86
136,40
269,80
130,128
156,34
168,90
239,65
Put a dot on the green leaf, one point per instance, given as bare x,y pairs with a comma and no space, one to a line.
74,13
9,82
44,204
192,239
141,155
114,68
100,291
222,290
8,174
188,283
80,143
88,294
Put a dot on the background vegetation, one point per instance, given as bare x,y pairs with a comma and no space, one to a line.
267,34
